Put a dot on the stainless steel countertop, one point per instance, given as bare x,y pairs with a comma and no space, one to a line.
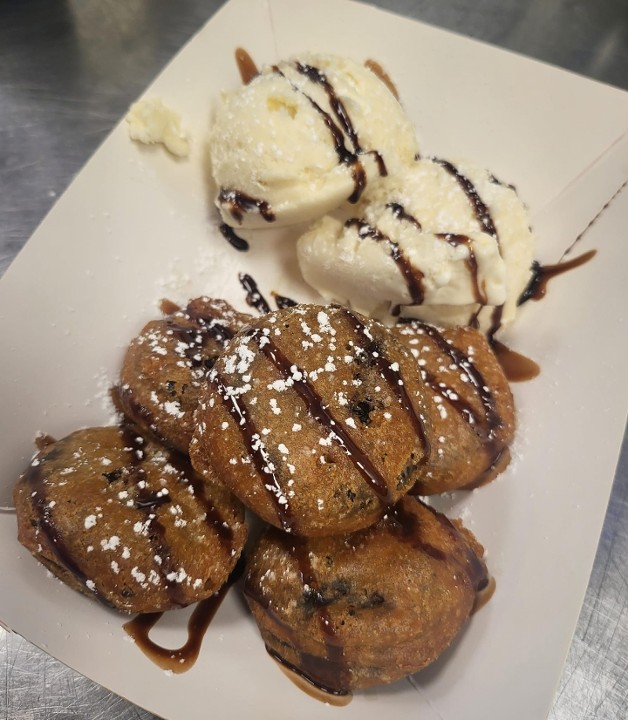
68,71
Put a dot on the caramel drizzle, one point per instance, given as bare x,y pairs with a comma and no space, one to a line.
516,367
378,70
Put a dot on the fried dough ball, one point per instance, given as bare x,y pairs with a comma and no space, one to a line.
315,418
125,521
471,406
353,611
165,366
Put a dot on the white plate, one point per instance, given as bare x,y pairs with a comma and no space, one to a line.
136,226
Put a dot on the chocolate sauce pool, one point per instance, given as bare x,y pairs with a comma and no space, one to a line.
181,659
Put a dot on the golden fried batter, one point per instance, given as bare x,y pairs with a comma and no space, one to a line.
470,403
165,366
353,611
315,418
126,521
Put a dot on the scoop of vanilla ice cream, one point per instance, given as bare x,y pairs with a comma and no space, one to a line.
303,137
445,243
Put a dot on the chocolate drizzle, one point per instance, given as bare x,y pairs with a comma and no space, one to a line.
395,382
314,688
339,127
148,502
194,337
328,673
234,240
484,218
283,302
256,449
213,518
542,274
592,222
481,211
331,672
486,426
400,213
254,297
181,659
412,275
471,262
409,529
239,203
321,413
338,122
246,66
35,477
453,399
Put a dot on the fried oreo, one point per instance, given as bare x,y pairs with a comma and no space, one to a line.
165,366
471,406
125,521
371,607
315,417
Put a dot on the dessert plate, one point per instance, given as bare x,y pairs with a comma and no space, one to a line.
137,225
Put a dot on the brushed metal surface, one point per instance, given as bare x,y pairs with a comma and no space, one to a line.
68,71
